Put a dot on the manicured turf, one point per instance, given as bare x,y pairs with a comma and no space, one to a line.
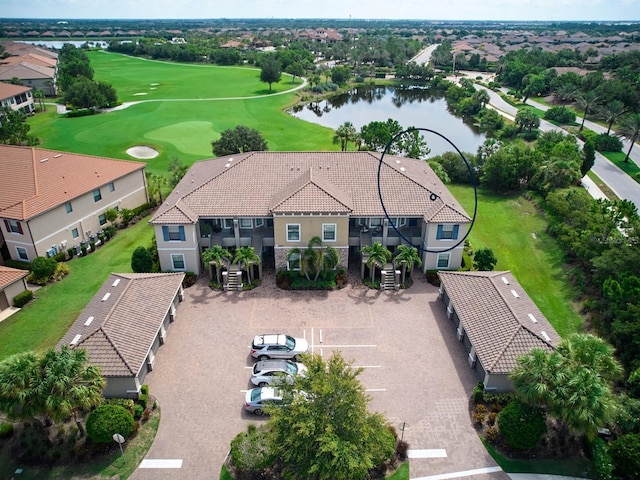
629,167
516,232
44,321
180,129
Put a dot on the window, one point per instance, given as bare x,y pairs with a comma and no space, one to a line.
102,219
362,221
259,222
246,223
373,222
443,260
177,260
293,261
74,233
447,232
328,232
173,233
293,232
13,226
112,187
398,222
228,223
22,254
97,196
68,207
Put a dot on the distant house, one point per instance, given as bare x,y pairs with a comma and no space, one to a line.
277,201
51,201
124,325
12,282
497,322
16,97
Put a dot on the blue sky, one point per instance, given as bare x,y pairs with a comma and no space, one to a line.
402,9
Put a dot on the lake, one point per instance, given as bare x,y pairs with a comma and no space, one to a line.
57,44
411,106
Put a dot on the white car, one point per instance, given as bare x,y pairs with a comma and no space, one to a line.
270,372
257,399
277,345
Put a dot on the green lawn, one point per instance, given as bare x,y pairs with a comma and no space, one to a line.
44,321
183,128
629,167
516,232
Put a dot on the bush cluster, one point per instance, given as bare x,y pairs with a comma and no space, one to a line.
81,112
324,87
608,143
521,426
560,115
108,419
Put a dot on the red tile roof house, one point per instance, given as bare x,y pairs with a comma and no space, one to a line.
278,201
50,200
12,282
16,97
497,322
123,327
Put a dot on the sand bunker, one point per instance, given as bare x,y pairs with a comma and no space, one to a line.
143,153
139,93
155,84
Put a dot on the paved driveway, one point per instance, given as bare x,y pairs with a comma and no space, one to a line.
414,369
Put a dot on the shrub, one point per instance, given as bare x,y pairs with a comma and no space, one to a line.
491,420
20,265
521,426
253,449
43,268
83,249
492,434
143,396
110,231
480,408
624,453
141,260
633,383
108,419
71,252
608,143
60,257
61,270
92,245
84,112
402,449
21,299
6,430
141,209
137,411
560,115
529,136
123,402
189,279
602,464
477,396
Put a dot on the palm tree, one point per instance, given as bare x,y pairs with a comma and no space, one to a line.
483,97
218,256
344,134
71,385
408,257
39,95
630,128
611,111
565,93
246,257
588,102
378,256
592,352
20,398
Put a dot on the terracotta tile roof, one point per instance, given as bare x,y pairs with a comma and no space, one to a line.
35,180
7,90
125,324
25,71
254,184
500,326
10,275
31,58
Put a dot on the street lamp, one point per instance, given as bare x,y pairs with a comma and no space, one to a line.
120,440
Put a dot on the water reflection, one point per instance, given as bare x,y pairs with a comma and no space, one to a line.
409,105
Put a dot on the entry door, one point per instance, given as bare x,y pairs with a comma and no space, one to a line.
4,303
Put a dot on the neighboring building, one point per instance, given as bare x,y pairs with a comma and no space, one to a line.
51,200
12,282
496,321
16,97
123,326
36,67
278,201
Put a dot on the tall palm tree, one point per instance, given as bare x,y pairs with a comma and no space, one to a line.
630,128
246,257
408,257
71,385
20,398
345,133
588,101
611,112
378,256
565,93
217,255
591,352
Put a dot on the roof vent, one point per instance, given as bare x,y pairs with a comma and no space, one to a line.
88,322
398,162
75,340
106,297
505,280
44,160
532,318
515,294
227,165
545,336
402,169
58,155
115,282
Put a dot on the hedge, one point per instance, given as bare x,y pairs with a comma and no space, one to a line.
21,299
20,265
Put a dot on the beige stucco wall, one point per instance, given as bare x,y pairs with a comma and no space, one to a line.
188,248
430,259
310,226
121,387
14,289
55,226
497,383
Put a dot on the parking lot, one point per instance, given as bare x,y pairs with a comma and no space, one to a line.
414,370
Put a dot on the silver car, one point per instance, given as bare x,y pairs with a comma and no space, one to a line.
257,399
277,345
270,372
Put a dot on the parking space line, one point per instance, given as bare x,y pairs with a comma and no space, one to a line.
350,346
362,366
320,335
465,473
161,463
427,453
375,390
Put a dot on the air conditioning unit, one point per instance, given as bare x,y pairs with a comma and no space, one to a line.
459,334
163,335
440,293
449,311
472,360
172,314
150,360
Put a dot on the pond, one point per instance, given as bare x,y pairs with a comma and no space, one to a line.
58,44
409,105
